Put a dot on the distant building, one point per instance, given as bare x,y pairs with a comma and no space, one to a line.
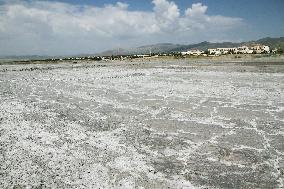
143,55
244,50
194,52
260,49
212,51
215,52
256,49
185,53
228,50
266,49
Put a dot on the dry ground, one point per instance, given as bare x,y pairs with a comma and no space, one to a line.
168,124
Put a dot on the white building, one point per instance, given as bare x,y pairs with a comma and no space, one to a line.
244,50
260,49
266,49
227,50
240,50
214,52
185,53
194,52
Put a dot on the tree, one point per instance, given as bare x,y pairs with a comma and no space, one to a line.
280,51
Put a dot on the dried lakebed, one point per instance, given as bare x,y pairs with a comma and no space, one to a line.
142,125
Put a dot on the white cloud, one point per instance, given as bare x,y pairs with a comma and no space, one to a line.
166,14
196,19
197,10
43,27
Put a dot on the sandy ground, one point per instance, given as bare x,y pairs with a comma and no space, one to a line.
168,124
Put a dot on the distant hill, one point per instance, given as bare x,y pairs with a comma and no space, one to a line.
206,45
169,47
273,42
157,48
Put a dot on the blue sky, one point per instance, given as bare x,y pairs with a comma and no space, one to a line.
265,17
62,27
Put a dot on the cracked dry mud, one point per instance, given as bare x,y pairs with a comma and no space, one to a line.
142,125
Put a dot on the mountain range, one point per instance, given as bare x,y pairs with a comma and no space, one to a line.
169,47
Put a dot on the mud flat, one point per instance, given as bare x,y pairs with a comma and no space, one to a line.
167,124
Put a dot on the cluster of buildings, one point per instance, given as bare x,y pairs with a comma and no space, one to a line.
194,52
255,49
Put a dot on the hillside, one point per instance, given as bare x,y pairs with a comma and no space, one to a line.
273,42
169,47
156,48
